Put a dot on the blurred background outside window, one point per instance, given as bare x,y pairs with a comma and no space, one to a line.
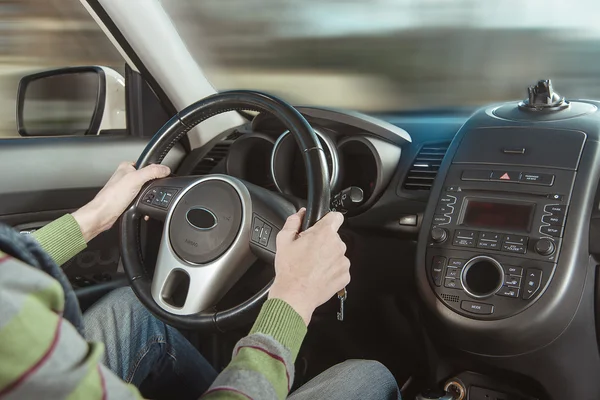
46,34
393,55
373,56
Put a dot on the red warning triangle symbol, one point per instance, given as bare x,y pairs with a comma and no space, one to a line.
505,176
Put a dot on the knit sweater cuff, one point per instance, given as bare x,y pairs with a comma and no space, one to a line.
279,320
61,239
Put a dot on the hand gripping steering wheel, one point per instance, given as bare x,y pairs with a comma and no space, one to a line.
215,226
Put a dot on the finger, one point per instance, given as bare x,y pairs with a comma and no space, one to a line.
122,169
332,220
342,246
291,228
333,244
150,172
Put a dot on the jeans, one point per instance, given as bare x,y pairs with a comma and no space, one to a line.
157,359
142,350
351,380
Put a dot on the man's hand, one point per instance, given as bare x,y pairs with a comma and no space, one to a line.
103,211
310,267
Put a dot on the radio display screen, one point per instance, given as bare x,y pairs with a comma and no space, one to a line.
501,216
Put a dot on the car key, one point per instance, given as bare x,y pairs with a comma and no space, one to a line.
342,294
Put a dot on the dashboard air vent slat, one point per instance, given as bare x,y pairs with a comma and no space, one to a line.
212,158
425,166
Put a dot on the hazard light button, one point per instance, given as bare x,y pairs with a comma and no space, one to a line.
506,176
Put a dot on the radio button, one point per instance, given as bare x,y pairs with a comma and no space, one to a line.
441,220
537,179
489,240
463,234
452,273
514,248
448,200
510,270
477,308
512,281
452,283
555,231
464,242
505,176
444,209
514,239
491,245
558,220
556,209
464,238
489,236
508,292
476,175
533,281
437,267
456,263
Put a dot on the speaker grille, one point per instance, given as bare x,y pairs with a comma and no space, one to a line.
450,297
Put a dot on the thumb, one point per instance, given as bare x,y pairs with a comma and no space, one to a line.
291,228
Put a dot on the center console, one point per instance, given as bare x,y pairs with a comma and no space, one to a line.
503,266
497,230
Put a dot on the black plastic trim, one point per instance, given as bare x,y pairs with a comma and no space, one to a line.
146,114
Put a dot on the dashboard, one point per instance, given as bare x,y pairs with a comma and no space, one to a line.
501,209
357,154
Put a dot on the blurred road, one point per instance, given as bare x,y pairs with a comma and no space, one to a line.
377,55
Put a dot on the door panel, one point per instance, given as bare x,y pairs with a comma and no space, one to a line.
41,174
45,178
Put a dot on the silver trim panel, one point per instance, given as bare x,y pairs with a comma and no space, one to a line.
469,264
330,147
203,209
208,282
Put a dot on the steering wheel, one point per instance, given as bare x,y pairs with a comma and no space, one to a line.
215,226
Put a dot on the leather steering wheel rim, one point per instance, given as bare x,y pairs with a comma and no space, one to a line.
318,200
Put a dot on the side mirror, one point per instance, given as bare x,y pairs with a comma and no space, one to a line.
71,101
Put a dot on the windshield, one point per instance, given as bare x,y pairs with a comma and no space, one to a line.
390,55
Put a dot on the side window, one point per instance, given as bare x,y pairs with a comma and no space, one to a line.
50,82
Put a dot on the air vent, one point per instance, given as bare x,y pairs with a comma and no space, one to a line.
425,167
212,158
235,135
450,297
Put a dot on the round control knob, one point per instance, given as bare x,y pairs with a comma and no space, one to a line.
545,247
439,235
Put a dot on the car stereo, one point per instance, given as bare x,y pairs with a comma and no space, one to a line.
496,237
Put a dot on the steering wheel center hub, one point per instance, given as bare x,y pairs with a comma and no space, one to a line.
205,221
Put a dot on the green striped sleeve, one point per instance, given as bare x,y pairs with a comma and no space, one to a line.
263,362
41,354
224,394
28,333
279,320
61,239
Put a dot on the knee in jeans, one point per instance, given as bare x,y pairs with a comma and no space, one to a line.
368,370
117,307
